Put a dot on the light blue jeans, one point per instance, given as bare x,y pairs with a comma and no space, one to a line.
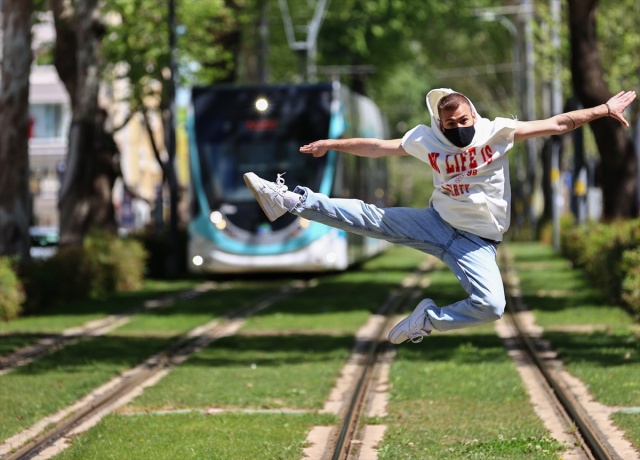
472,259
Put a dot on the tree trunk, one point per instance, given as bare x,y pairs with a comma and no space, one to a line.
15,212
86,191
617,154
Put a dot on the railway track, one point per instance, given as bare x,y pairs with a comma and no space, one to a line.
370,351
590,439
126,387
345,441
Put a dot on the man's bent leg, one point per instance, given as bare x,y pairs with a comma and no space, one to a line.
473,261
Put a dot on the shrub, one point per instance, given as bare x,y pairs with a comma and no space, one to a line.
631,282
66,276
602,250
104,264
128,258
11,291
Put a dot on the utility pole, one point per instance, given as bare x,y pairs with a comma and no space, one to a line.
530,108
307,48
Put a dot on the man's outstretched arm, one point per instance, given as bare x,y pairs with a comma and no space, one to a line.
564,122
362,147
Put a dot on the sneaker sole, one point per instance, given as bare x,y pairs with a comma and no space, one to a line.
266,208
396,333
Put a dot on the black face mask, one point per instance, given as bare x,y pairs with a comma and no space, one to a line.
460,137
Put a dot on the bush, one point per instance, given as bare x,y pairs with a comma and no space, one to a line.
66,276
11,292
606,253
631,282
103,265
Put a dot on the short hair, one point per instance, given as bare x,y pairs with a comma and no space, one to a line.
452,101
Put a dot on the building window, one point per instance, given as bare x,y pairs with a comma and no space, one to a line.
48,121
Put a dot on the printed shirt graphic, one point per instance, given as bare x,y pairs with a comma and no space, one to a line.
472,191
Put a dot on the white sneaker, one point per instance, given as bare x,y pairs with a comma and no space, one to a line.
414,327
274,198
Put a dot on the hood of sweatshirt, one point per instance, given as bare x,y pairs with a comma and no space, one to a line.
433,98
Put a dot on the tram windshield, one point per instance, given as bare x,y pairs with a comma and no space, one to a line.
258,129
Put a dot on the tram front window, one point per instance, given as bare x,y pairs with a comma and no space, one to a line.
234,138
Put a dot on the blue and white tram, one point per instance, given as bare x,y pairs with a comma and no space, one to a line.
236,129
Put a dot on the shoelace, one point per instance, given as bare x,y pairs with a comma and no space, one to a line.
280,184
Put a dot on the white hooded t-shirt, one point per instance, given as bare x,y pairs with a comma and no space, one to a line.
472,190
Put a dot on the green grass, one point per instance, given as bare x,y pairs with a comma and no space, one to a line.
55,381
609,363
185,315
57,318
196,436
341,303
560,295
458,396
630,423
253,372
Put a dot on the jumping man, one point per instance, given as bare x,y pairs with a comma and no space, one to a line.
469,210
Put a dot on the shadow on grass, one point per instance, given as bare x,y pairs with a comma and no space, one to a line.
12,342
597,348
96,351
464,349
243,351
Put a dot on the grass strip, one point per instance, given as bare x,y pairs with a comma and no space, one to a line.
185,315
459,396
57,318
294,372
342,302
44,386
196,436
271,365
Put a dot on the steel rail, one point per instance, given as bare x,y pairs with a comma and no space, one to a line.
374,349
598,446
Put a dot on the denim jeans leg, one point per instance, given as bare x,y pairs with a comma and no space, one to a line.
471,259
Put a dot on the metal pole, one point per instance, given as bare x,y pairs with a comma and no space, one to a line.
530,109
556,108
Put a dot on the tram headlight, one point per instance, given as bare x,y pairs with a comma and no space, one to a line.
262,104
216,219
331,257
197,260
304,223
